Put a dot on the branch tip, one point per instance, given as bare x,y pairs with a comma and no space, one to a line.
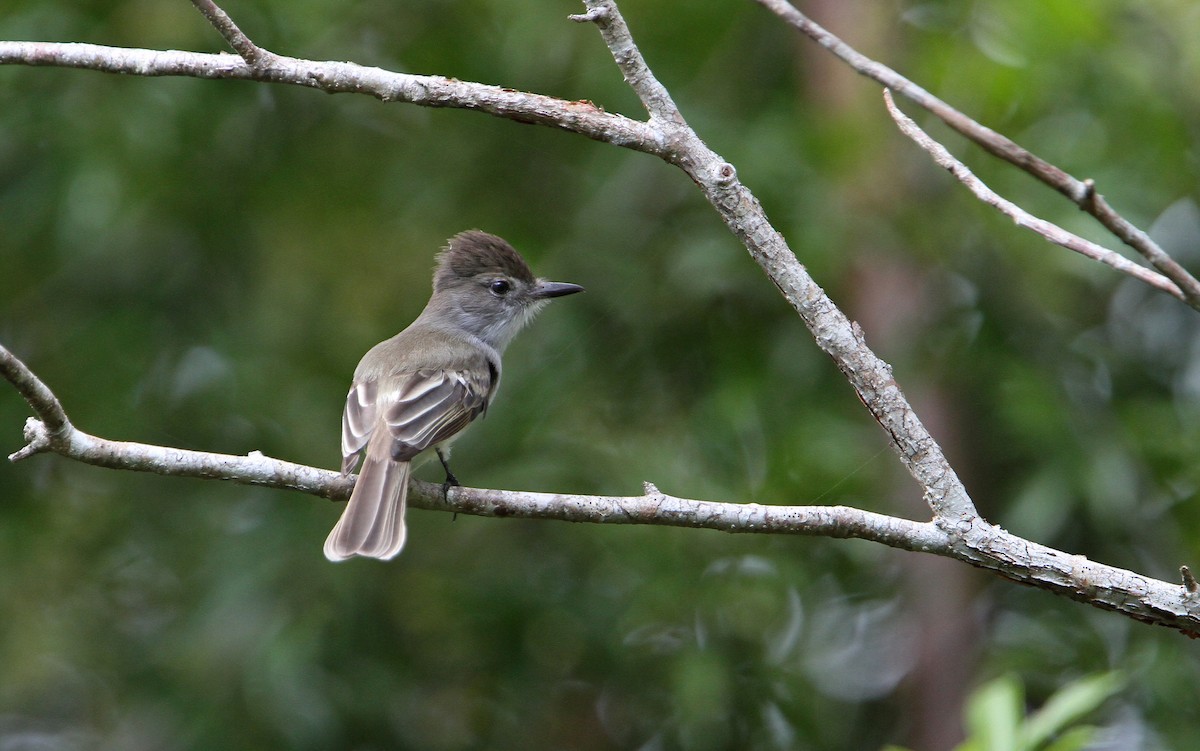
24,453
37,440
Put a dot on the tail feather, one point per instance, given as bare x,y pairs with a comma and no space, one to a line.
373,523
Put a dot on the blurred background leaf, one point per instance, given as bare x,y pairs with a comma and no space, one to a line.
202,264
996,719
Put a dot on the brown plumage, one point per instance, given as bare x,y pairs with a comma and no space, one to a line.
420,388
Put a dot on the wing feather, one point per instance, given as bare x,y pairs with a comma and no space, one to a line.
358,422
418,410
429,413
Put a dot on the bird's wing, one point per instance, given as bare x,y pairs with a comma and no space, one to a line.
419,409
358,421
430,406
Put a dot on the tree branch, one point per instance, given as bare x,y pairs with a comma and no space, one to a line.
843,341
1081,192
1020,217
250,52
956,530
676,143
653,95
579,117
978,543
40,398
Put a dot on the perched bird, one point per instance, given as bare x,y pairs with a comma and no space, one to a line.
419,389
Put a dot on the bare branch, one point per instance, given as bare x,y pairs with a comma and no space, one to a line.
252,469
1081,192
956,531
580,117
843,341
41,399
977,543
250,52
655,97
658,508
739,209
1020,217
870,376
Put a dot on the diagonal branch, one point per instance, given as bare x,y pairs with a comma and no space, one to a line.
665,136
237,39
611,25
1081,192
843,341
668,137
1020,217
40,398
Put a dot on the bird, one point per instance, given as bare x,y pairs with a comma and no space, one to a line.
419,389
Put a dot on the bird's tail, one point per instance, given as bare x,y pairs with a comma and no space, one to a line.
373,523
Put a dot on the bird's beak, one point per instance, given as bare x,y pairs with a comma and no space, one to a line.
545,290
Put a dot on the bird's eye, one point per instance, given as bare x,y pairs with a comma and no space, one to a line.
500,287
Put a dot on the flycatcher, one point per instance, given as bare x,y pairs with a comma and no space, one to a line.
420,388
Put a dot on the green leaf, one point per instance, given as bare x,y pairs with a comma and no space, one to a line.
1068,705
994,713
1075,739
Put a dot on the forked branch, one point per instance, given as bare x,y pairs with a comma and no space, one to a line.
1081,192
241,44
1020,217
956,529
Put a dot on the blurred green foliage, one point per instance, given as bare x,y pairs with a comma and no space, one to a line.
996,718
202,263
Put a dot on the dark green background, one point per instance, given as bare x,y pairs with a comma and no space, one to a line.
200,264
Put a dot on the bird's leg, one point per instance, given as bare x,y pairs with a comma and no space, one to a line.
451,480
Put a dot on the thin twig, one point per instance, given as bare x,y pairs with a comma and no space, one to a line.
241,44
1020,217
1081,192
41,399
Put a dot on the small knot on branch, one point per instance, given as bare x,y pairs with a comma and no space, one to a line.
593,15
650,489
37,440
1089,194
1189,580
726,174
